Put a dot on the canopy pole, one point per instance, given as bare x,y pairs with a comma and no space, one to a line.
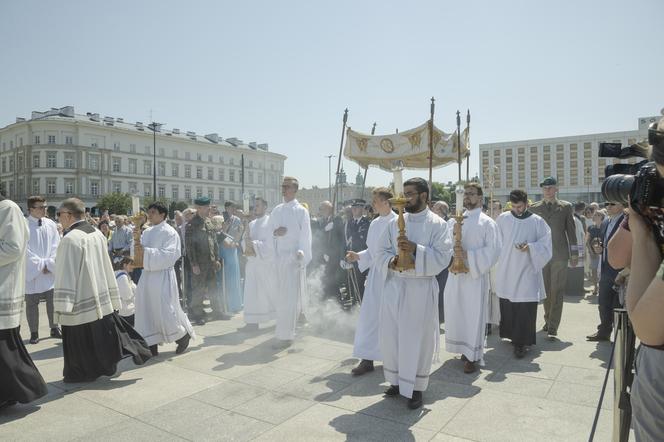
458,121
433,107
341,147
468,145
364,180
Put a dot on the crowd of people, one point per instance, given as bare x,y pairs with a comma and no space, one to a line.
116,287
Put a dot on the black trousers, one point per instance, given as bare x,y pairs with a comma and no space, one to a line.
607,301
518,321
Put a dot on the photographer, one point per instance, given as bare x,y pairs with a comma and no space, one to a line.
645,306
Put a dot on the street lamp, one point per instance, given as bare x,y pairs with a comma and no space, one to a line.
329,175
154,127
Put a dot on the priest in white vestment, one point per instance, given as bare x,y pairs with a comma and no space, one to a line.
260,280
291,229
20,380
527,247
409,328
159,316
94,337
367,342
466,294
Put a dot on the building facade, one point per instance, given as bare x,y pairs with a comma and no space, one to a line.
347,191
60,154
573,160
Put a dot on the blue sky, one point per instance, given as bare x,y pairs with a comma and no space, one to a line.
282,72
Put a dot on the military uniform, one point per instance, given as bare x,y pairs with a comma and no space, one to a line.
202,251
559,215
356,240
332,252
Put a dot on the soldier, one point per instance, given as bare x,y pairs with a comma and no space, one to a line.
331,245
559,215
203,256
357,229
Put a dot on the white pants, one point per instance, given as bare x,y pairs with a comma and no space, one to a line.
289,299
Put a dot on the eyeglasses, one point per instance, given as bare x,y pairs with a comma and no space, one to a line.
411,194
39,207
470,194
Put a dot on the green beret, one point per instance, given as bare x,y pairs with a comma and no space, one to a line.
549,181
202,201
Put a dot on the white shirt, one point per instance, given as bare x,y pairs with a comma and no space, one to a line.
42,246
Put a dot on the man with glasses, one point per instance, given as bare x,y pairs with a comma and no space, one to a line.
40,267
558,215
608,296
467,294
409,329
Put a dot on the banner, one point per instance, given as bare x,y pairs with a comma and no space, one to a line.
411,147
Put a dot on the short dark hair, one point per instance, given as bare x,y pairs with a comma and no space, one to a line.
500,205
229,204
159,207
120,263
420,184
258,199
579,205
518,196
476,186
101,223
34,200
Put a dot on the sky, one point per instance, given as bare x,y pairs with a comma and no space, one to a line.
282,72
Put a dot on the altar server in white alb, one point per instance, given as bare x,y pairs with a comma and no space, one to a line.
367,342
409,328
159,316
40,267
467,294
19,379
291,228
94,337
260,279
527,248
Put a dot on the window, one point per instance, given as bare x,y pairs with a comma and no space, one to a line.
69,187
51,139
147,167
162,153
251,164
69,160
117,187
175,153
94,187
199,157
69,139
93,161
161,168
4,165
147,189
20,163
116,146
132,148
35,161
51,160
199,173
260,178
37,139
187,156
187,171
11,146
187,193
210,158
20,141
250,177
50,186
161,189
94,142
210,193
232,162
210,172
231,176
132,166
148,150
221,195
199,192
133,187
175,193
221,174
11,164
231,194
221,159
35,187
175,169
116,164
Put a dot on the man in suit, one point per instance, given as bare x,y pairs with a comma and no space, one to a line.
357,229
331,248
608,296
559,215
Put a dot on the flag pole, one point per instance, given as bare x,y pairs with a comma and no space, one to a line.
433,107
341,147
364,180
468,145
458,121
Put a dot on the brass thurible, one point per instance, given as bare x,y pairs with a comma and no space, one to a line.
405,261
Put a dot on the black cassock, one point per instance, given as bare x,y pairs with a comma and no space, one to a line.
20,380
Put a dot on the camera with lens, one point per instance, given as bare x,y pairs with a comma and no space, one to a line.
639,184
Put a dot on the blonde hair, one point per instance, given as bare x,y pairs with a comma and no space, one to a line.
293,181
217,222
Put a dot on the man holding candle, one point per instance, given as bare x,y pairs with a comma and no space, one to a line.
409,330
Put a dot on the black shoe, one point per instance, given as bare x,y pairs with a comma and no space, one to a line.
5,404
416,401
552,334
34,338
282,344
154,350
365,366
56,333
545,328
598,337
392,391
200,321
250,328
519,351
488,329
183,343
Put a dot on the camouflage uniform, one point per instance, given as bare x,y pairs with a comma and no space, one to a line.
202,251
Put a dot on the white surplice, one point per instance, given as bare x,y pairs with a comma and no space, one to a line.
409,328
367,342
159,316
260,277
42,246
291,297
467,294
519,274
13,245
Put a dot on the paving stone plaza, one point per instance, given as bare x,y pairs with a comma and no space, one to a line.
232,385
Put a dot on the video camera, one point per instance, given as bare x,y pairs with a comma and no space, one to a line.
639,184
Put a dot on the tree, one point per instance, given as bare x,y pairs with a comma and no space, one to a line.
441,193
115,203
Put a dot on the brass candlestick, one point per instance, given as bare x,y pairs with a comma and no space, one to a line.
405,260
458,263
138,219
